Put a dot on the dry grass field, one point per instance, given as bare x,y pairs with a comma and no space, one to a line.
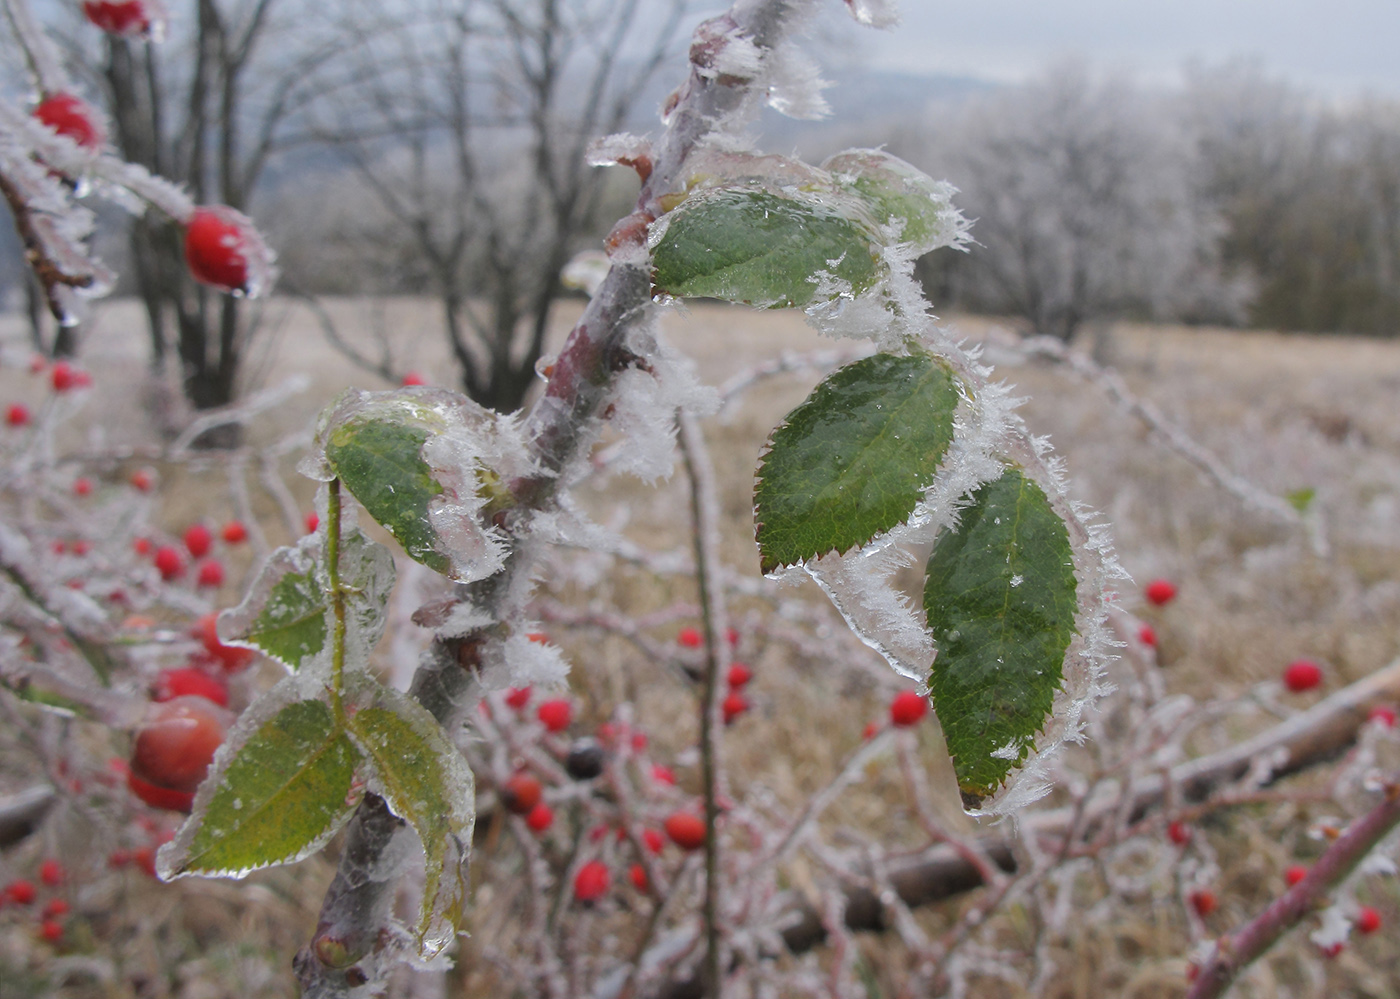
1286,413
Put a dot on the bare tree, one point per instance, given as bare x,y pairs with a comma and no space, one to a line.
1311,195
1085,206
468,122
210,108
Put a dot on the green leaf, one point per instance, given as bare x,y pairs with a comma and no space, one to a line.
426,782
893,189
281,796
1301,499
380,463
854,459
751,245
1000,598
291,626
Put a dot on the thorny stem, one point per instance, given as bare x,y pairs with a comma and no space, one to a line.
1236,952
704,510
337,600
560,426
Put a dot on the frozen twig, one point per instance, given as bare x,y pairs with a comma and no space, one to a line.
1235,952
705,510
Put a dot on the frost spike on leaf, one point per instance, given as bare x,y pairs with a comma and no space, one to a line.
854,459
1001,603
277,799
895,190
751,245
425,781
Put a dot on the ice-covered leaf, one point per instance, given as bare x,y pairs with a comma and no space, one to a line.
854,459
752,245
894,190
286,614
426,782
381,464
280,797
425,463
1000,599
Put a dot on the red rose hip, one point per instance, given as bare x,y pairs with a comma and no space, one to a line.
224,250
907,709
125,17
1160,592
175,743
592,881
686,829
521,793
1302,675
74,118
555,715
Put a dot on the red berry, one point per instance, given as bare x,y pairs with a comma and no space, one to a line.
538,637
17,415
72,117
124,17
540,818
686,829
689,638
82,486
189,682
639,742
63,376
232,658
56,907
160,797
521,793
1160,591
907,709
169,562
592,881
1332,950
224,251
176,741
234,532
312,522
1368,920
51,930
652,840
1382,715
20,892
733,706
1302,675
142,546
739,674
1203,900
731,635
211,573
198,539
870,731
141,480
637,874
1179,833
81,547
51,872
518,697
413,378
555,715
1147,636
1295,874
663,774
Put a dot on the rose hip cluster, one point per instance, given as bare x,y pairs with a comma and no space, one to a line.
564,784
45,903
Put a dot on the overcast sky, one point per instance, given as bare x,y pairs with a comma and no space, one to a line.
1342,48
